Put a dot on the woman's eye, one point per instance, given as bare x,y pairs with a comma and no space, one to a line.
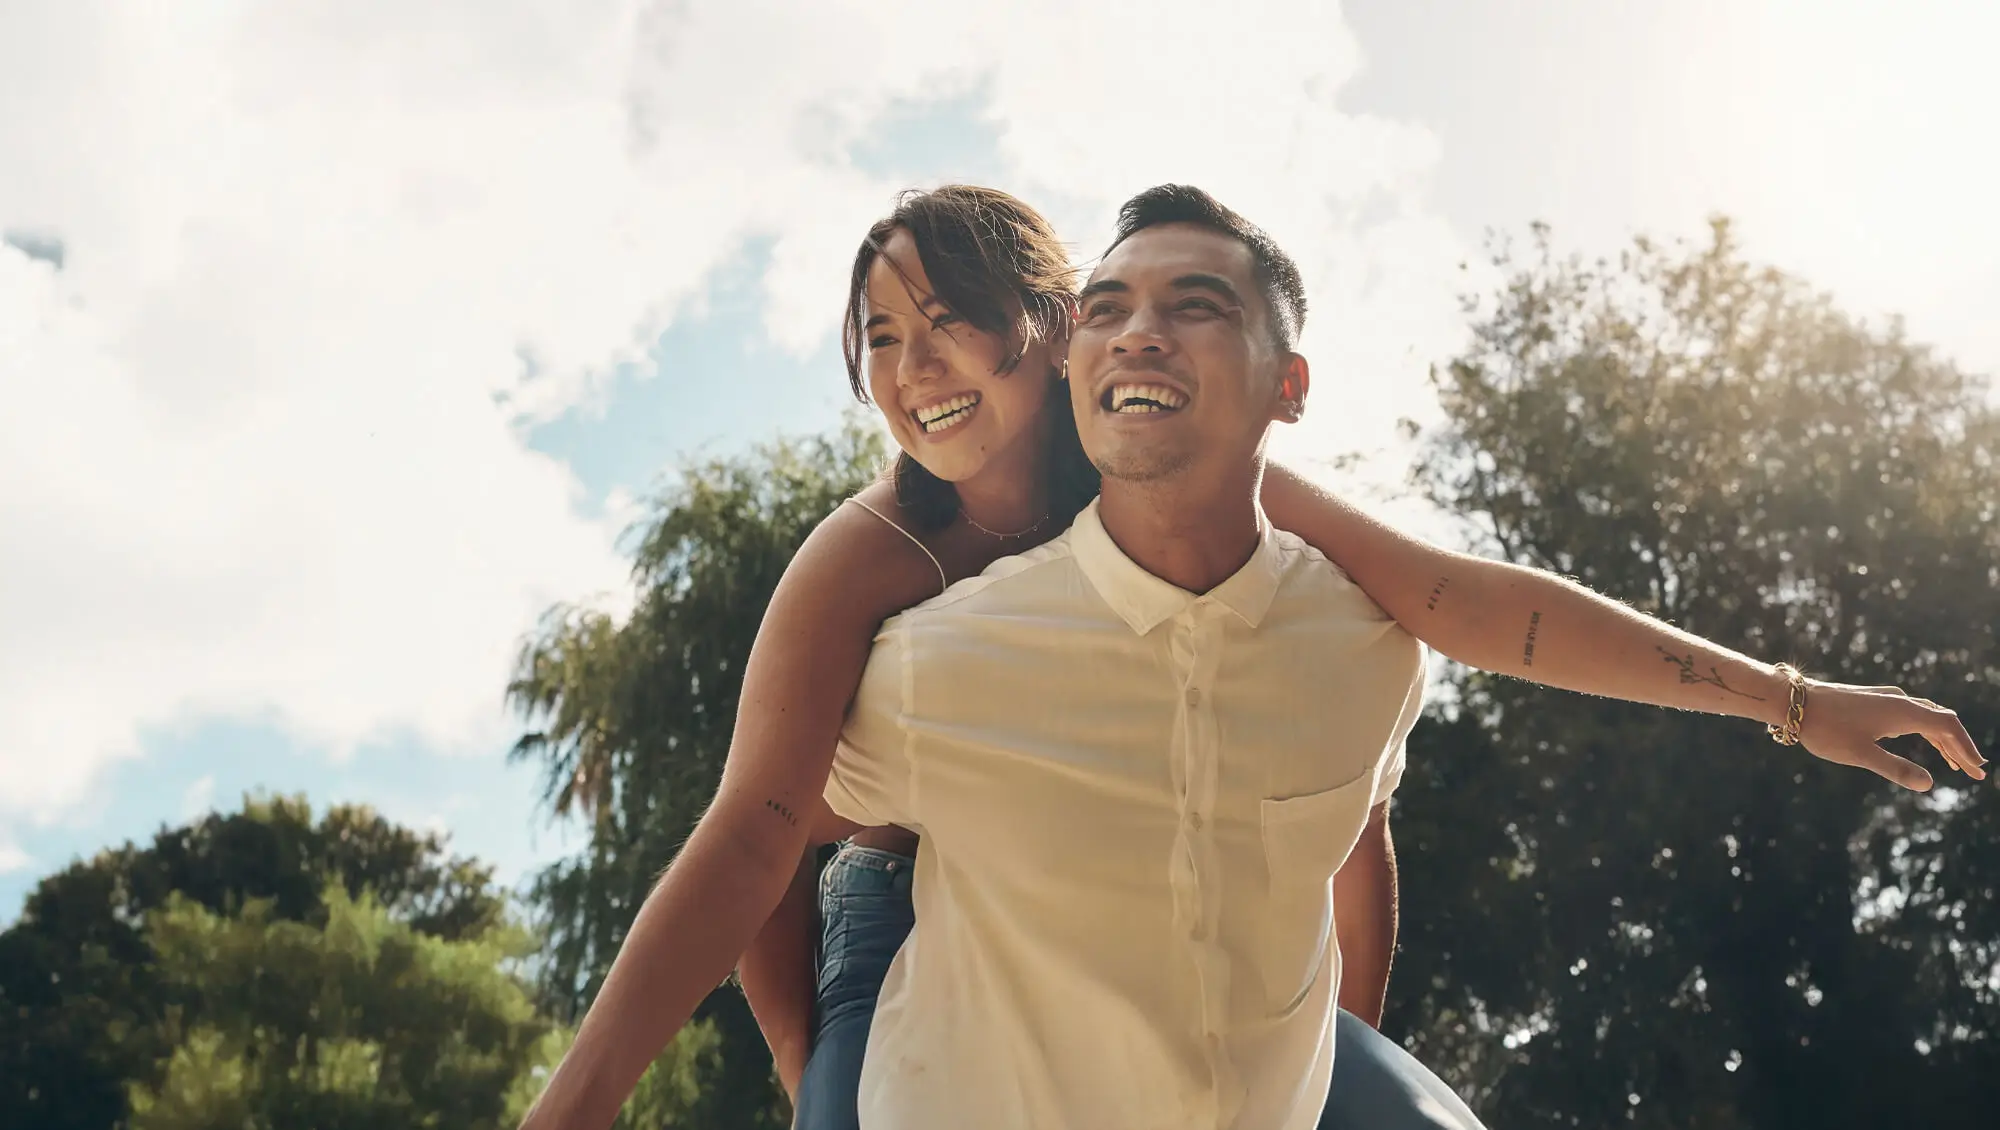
881,342
945,319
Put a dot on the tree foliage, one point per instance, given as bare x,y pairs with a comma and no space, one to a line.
358,1019
1617,914
631,719
674,1092
83,1002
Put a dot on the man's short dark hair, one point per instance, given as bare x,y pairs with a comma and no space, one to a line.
1284,293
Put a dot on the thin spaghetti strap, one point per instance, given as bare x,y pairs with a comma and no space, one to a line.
943,581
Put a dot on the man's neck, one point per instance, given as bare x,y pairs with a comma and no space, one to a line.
1192,534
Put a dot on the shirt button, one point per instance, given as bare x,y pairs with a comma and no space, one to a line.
1193,697
1194,821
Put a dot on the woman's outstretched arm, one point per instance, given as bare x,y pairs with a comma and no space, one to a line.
804,667
1514,620
778,974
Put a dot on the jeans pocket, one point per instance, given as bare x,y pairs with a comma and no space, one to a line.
862,935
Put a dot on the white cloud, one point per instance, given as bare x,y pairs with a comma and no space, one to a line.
1853,155
12,858
199,798
260,442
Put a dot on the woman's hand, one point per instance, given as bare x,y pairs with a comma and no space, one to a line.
1843,724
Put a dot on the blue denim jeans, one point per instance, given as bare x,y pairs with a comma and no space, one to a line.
866,913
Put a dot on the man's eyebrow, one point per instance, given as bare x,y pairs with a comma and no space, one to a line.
1102,286
1216,283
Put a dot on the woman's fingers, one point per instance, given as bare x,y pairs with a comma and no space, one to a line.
1896,770
1855,718
1897,713
1944,729
1852,719
1939,726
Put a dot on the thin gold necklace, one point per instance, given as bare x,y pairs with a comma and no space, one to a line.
997,534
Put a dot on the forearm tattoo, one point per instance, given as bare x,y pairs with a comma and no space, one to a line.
1689,676
1437,593
782,811
1528,647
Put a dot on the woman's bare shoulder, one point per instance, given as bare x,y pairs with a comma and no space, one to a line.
856,559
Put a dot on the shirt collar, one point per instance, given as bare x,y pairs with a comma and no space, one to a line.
1144,601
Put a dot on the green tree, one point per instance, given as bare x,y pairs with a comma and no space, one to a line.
631,719
671,1093
81,999
356,1020
1618,914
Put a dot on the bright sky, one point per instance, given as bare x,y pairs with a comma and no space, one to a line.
336,337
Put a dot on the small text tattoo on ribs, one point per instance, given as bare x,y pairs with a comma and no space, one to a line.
1437,593
1528,647
782,811
1689,676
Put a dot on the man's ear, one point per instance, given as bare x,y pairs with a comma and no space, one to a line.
1294,381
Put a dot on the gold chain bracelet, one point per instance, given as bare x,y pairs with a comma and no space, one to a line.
1795,716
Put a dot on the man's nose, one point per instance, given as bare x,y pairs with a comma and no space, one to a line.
1144,332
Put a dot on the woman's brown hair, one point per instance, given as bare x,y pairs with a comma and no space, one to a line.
996,263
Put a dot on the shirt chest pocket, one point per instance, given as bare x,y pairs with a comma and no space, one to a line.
1306,839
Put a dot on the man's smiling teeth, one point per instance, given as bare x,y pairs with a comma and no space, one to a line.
1136,399
937,417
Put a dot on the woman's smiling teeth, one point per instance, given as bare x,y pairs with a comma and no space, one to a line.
934,418
1132,400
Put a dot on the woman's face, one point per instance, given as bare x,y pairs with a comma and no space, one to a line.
932,374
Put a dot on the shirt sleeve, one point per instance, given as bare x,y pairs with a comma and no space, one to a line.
1399,742
872,781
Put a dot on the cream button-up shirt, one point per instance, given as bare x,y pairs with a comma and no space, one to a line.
1132,801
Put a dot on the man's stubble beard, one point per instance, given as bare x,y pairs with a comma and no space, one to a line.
1149,467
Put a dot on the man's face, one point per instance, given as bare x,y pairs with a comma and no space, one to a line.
1173,369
